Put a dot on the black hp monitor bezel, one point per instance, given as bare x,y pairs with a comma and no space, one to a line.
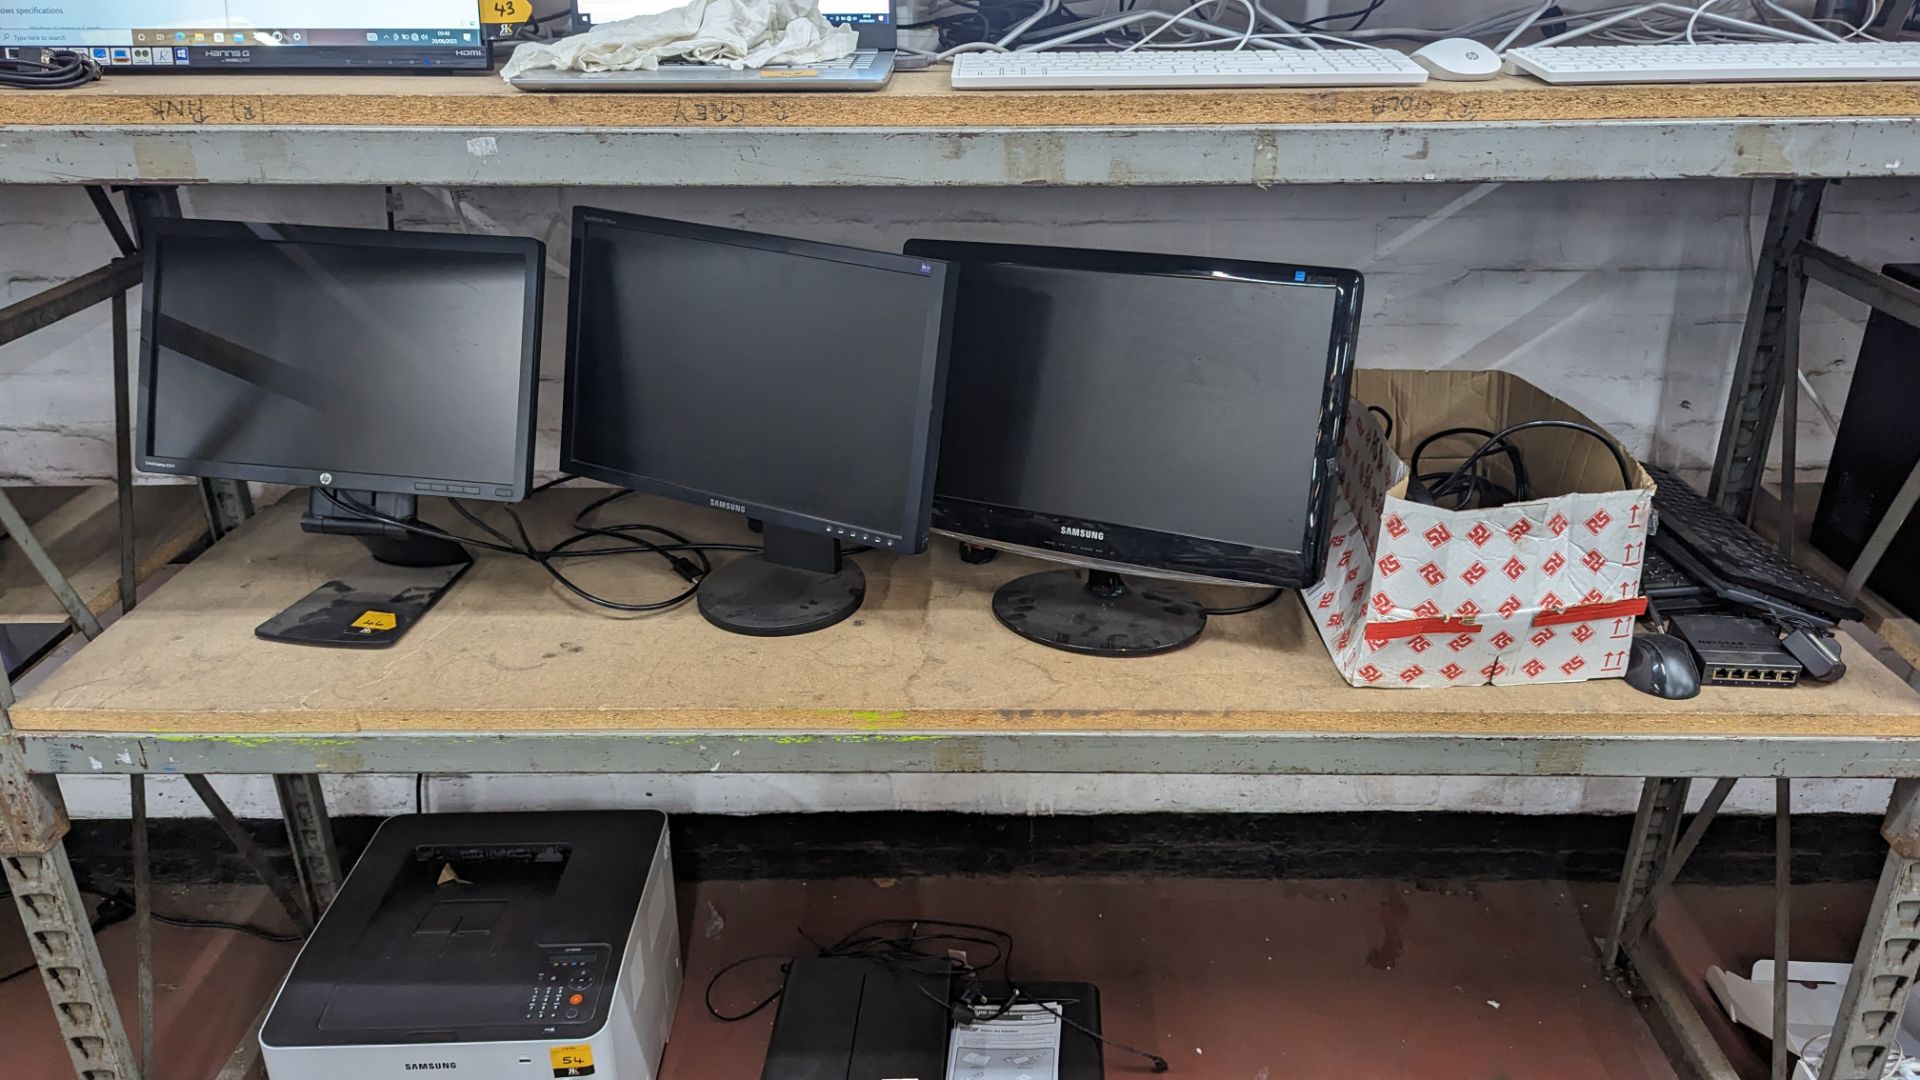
511,489
1127,549
908,534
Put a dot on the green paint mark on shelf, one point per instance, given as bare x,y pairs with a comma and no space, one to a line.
252,742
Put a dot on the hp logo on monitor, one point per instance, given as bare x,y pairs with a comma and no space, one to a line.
326,479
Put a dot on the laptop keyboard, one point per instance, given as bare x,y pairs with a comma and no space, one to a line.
859,60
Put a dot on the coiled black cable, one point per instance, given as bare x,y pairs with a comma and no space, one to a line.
59,69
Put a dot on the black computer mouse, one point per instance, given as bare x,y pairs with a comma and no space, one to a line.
1662,665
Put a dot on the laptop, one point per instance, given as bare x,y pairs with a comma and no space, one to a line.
868,68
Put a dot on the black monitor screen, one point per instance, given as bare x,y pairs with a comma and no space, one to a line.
157,36
377,360
1188,405
716,368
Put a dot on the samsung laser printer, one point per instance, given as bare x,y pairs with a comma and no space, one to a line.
489,947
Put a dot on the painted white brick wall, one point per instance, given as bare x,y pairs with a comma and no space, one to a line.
1624,299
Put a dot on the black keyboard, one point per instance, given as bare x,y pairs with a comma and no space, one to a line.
1735,553
1661,580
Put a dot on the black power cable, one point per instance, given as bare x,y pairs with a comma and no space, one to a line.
1242,609
729,1018
685,557
1465,481
1491,494
60,69
1385,417
1158,1063
1501,437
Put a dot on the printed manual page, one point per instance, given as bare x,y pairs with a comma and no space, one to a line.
1022,1044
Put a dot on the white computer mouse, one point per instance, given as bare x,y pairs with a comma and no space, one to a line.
1458,60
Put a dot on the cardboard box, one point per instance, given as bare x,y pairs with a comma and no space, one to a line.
1417,595
1813,1003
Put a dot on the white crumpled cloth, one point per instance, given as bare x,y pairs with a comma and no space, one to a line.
736,33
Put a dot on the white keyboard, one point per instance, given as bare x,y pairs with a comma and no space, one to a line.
1176,68
1770,61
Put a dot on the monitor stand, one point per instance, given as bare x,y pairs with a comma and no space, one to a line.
1096,611
797,585
377,602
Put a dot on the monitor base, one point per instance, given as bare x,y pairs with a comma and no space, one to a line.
379,601
766,599
1097,612
370,607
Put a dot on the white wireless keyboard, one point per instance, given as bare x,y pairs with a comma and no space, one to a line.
1177,68
1770,61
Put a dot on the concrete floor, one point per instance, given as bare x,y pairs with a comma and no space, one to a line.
1237,980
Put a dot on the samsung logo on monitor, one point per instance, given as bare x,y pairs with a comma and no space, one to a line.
413,1066
1084,534
725,505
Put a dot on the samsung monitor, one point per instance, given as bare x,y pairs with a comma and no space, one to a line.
370,366
151,36
1158,416
794,383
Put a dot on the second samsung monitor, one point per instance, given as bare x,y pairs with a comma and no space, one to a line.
1141,415
791,382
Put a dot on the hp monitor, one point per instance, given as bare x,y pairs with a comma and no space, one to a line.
1153,416
373,367
152,36
794,383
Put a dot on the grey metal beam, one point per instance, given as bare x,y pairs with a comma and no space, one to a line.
1870,287
32,816
237,834
1781,1061
1881,293
1735,147
310,834
49,306
110,218
244,1062
1289,754
1642,917
14,525
61,936
1753,397
123,452
142,918
1656,825
1687,1037
1888,958
1881,538
1790,407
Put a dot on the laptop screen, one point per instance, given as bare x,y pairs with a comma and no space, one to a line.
164,35
594,12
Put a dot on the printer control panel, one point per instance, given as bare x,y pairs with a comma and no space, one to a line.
571,982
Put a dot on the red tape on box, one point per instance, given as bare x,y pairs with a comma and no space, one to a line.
1404,628
1378,631
1618,609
